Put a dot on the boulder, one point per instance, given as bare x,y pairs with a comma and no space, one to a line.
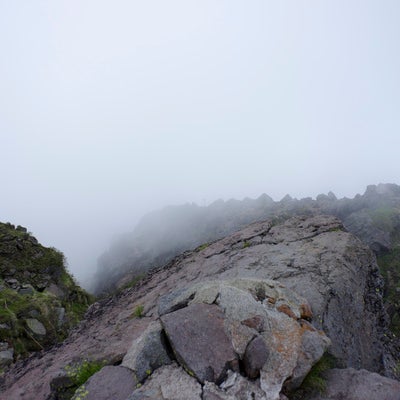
199,341
111,382
288,358
169,383
147,352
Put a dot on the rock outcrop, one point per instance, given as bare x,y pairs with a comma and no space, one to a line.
351,384
275,297
39,300
373,217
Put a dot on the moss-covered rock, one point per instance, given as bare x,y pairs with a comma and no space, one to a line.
39,299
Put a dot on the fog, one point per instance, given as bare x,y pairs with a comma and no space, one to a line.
109,110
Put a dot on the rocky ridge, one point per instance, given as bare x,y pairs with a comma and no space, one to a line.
373,217
248,316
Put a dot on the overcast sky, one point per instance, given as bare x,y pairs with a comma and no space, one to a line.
110,109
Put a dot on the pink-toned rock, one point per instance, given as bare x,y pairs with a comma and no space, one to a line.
199,341
115,383
255,357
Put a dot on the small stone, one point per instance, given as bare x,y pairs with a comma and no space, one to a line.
13,283
26,289
4,346
6,357
5,327
54,289
36,327
40,286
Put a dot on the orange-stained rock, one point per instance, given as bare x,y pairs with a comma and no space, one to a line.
306,312
284,308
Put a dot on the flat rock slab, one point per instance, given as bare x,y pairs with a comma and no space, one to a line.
199,341
115,383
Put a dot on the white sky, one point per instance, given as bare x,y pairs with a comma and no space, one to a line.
110,109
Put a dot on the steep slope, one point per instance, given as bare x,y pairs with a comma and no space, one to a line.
374,217
307,274
39,300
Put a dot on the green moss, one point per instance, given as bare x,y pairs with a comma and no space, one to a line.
202,247
80,372
315,382
138,311
81,393
246,244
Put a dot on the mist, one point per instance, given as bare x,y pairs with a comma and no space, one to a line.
111,110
